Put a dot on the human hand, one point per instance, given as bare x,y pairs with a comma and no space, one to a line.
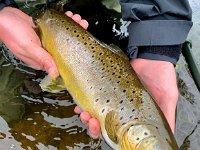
159,78
18,35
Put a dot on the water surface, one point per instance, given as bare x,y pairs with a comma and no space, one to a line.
32,119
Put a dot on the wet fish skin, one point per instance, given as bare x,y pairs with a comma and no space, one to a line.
102,82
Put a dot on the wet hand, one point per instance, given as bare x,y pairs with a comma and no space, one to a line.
18,35
93,124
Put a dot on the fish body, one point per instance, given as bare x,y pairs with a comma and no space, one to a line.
103,83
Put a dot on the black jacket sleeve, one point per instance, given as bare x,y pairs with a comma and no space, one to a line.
158,27
4,3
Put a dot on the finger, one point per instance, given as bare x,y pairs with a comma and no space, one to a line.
85,117
69,14
76,18
39,55
77,110
84,23
94,128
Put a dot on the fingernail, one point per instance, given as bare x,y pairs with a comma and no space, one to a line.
93,135
52,72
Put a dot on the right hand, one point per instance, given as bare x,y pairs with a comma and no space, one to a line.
18,35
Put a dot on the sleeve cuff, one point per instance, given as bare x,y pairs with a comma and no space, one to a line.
158,32
169,53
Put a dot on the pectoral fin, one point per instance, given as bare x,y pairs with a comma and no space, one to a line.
52,85
112,125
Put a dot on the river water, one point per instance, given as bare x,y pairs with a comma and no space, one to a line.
32,119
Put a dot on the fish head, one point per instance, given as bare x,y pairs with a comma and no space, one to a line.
141,137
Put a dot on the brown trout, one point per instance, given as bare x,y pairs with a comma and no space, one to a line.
103,83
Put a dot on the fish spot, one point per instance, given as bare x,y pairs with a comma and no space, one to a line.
133,91
85,43
127,81
111,61
145,133
114,88
118,81
121,118
137,138
133,110
67,28
96,100
92,47
100,89
91,87
131,100
100,53
83,37
119,77
124,91
75,31
121,101
131,117
78,35
93,51
122,109
107,101
103,110
103,69
63,21
113,73
123,123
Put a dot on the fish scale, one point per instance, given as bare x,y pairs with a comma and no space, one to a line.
101,81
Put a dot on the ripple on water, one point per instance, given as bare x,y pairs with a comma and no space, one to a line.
47,121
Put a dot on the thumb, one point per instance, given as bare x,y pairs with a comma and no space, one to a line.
40,59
